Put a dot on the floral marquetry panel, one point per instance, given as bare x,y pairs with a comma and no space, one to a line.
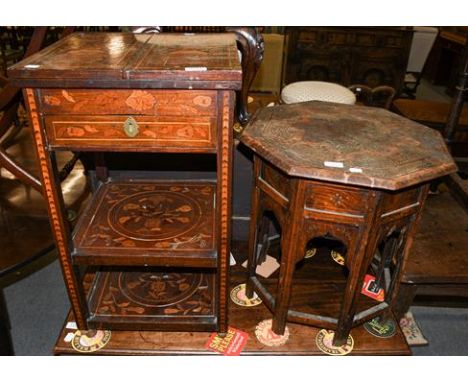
129,101
149,222
150,294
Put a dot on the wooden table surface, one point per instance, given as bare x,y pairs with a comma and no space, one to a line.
134,60
349,144
301,340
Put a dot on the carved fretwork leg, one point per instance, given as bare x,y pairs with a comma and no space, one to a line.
253,230
291,240
361,255
406,242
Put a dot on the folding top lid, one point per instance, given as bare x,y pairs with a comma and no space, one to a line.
206,61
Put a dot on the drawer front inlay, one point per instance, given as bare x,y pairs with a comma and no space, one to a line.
129,101
130,131
336,199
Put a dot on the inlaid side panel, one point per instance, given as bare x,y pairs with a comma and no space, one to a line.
334,199
52,193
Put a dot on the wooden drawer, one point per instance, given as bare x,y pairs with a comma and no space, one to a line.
109,132
335,199
129,101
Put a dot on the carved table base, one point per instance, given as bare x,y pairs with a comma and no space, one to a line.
374,228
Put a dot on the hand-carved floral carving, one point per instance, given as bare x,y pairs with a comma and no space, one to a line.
140,100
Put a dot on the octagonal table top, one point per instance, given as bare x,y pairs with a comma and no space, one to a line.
348,144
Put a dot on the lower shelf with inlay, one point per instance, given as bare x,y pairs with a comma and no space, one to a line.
149,223
152,298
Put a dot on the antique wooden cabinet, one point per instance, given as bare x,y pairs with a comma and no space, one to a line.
159,249
348,55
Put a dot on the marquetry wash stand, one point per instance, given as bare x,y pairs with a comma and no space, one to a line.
345,173
159,249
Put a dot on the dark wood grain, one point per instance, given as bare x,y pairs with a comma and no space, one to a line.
301,340
348,55
439,251
390,152
372,213
126,60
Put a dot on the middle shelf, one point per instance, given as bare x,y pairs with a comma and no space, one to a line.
149,223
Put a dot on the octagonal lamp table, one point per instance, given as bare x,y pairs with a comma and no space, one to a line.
352,173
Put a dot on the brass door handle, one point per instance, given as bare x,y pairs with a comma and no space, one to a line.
131,128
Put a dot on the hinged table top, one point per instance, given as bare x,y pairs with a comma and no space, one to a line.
354,145
173,60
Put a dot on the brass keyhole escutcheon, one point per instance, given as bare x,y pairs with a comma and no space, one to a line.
131,127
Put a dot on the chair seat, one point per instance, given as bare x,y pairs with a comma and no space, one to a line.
317,91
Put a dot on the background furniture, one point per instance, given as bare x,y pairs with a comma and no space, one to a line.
325,171
25,231
442,269
348,55
421,45
303,91
268,77
446,58
89,105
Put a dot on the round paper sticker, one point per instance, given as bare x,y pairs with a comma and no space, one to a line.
238,297
97,340
324,342
310,253
338,257
267,337
380,329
